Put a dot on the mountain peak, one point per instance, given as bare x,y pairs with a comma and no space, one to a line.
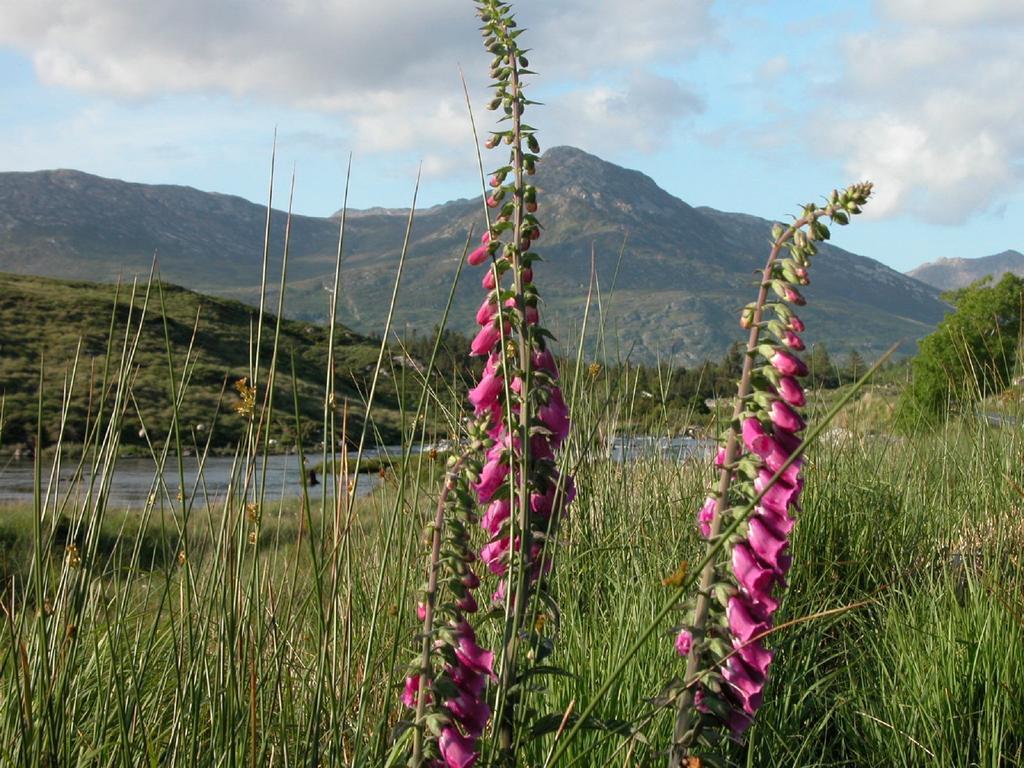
564,153
950,274
567,176
572,162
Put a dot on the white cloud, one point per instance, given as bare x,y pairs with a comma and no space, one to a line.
388,66
933,112
954,12
772,69
639,113
292,50
583,36
388,121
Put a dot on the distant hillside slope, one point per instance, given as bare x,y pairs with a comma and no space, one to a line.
685,271
949,274
44,319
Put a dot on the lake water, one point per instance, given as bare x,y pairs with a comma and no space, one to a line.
134,479
668,448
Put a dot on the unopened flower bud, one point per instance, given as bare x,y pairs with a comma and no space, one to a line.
794,296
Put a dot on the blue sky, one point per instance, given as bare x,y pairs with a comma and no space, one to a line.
745,105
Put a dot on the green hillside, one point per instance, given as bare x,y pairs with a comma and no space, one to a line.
43,319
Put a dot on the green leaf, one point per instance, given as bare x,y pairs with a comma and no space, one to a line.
435,723
401,734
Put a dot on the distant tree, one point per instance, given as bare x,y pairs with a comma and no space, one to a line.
732,362
855,366
973,352
822,372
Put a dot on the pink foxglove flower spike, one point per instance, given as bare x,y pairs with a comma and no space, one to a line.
446,682
749,516
511,470
518,399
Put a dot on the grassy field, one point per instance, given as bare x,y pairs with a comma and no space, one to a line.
229,629
237,632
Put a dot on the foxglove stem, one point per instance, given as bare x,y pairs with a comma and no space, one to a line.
451,711
428,617
519,571
526,417
520,564
736,675
685,705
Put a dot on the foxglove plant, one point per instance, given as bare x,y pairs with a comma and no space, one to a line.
748,516
517,400
521,421
451,711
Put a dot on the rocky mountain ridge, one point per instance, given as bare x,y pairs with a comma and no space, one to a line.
675,275
950,274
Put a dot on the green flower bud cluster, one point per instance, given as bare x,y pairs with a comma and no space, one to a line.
508,67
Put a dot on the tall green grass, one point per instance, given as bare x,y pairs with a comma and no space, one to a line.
234,630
